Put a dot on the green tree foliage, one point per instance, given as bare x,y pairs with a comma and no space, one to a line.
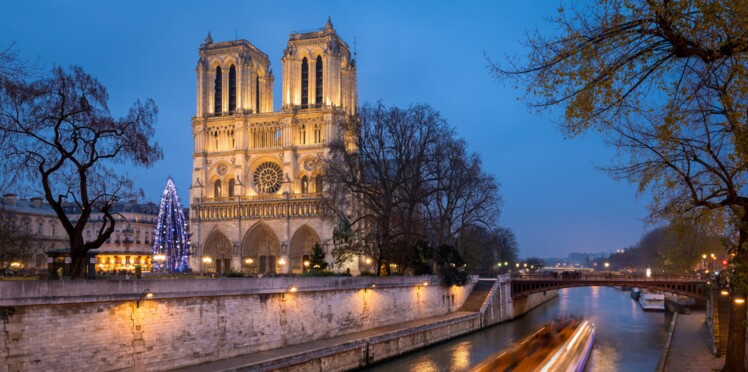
482,249
450,263
58,138
666,82
317,260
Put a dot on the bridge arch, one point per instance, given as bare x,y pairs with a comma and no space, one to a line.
687,286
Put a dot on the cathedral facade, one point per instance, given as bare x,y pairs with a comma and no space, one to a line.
256,192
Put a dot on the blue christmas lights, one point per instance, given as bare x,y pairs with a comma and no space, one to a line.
171,246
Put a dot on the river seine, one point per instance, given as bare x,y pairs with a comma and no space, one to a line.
628,339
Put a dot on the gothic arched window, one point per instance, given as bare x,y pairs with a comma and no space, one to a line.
231,187
304,185
217,189
218,95
232,89
257,95
318,182
304,83
302,134
318,82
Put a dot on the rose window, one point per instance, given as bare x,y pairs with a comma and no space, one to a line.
268,177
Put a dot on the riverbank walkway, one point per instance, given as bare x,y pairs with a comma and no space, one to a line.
691,346
290,355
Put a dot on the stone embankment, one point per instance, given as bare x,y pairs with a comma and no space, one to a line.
228,324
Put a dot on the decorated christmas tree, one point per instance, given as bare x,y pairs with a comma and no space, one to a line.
171,245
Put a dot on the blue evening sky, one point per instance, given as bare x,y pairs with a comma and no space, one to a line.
408,52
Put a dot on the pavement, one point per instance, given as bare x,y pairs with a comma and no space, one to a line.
280,357
691,345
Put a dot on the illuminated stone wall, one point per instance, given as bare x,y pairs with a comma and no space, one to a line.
96,324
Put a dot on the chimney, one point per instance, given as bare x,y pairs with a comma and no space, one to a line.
9,199
36,202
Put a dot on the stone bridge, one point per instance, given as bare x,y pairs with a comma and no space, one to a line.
692,286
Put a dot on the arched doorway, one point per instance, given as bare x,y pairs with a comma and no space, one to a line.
218,249
260,250
301,247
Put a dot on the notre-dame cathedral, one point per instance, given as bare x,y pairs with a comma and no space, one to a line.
256,192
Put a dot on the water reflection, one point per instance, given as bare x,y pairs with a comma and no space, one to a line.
627,338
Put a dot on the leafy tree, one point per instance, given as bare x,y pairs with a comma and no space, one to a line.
16,241
58,137
666,81
317,260
482,249
451,264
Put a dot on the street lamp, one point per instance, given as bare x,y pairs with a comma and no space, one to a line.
146,294
607,265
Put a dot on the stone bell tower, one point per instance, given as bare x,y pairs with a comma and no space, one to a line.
319,71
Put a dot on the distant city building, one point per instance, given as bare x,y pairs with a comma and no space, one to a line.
582,258
132,240
42,224
256,189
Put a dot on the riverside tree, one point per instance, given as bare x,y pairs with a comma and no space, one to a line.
390,187
58,138
666,82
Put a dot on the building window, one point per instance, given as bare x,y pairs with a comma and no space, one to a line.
231,187
218,95
318,82
304,83
302,134
40,229
217,189
232,89
317,133
318,184
257,95
267,178
304,185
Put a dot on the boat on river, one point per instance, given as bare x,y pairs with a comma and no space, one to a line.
635,294
564,345
652,301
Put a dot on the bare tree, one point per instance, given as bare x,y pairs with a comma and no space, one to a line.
15,241
667,83
462,193
400,183
376,180
59,138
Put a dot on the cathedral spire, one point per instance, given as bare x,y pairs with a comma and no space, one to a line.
328,25
209,39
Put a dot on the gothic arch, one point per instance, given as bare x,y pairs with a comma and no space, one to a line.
261,246
217,247
301,245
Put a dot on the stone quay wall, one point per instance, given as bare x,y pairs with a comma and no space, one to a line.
101,325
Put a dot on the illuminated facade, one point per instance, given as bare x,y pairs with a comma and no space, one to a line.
255,192
131,242
45,229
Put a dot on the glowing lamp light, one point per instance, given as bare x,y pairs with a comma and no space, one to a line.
724,292
739,299
425,283
649,273
207,260
291,288
306,263
159,257
517,264
249,261
282,261
368,261
607,264
15,264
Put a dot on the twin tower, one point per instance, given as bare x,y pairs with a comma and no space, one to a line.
256,186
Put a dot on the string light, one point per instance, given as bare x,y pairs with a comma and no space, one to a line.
171,238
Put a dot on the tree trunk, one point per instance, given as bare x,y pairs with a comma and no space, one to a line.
735,357
77,264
